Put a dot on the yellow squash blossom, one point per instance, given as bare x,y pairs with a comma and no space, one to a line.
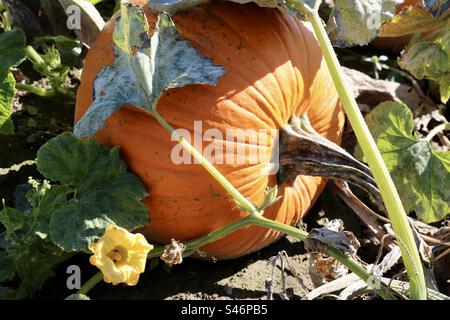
120,255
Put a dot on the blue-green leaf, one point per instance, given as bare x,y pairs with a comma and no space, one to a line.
144,69
12,50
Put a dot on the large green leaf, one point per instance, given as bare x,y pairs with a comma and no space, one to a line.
7,93
357,22
12,50
13,220
430,59
35,262
12,53
7,267
144,69
103,191
421,174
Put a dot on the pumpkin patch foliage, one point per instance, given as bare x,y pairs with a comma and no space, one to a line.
144,69
418,171
90,190
209,129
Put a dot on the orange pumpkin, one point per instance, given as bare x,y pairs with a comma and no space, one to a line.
274,70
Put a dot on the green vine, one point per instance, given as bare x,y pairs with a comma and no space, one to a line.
394,207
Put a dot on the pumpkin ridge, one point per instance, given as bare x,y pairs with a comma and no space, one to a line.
264,124
270,69
288,108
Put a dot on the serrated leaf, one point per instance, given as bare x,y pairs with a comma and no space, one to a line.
159,63
430,59
35,263
421,174
104,192
7,93
131,29
45,206
13,220
357,22
12,50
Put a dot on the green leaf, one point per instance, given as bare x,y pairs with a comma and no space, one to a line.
157,64
45,203
104,192
430,59
13,220
7,93
420,173
12,50
35,262
357,22
7,267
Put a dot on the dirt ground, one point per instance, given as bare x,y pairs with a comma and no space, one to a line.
242,278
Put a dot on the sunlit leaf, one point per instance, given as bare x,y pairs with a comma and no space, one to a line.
357,22
420,173
144,69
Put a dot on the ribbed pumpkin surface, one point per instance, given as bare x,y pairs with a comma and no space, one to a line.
274,70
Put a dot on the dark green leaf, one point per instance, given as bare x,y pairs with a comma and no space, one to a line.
7,268
35,262
13,220
420,173
7,93
12,50
156,64
104,192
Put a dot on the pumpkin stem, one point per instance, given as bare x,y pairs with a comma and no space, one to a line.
304,151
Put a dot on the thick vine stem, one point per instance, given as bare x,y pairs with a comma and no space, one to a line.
394,207
304,151
256,220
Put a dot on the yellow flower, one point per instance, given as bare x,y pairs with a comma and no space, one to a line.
120,255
